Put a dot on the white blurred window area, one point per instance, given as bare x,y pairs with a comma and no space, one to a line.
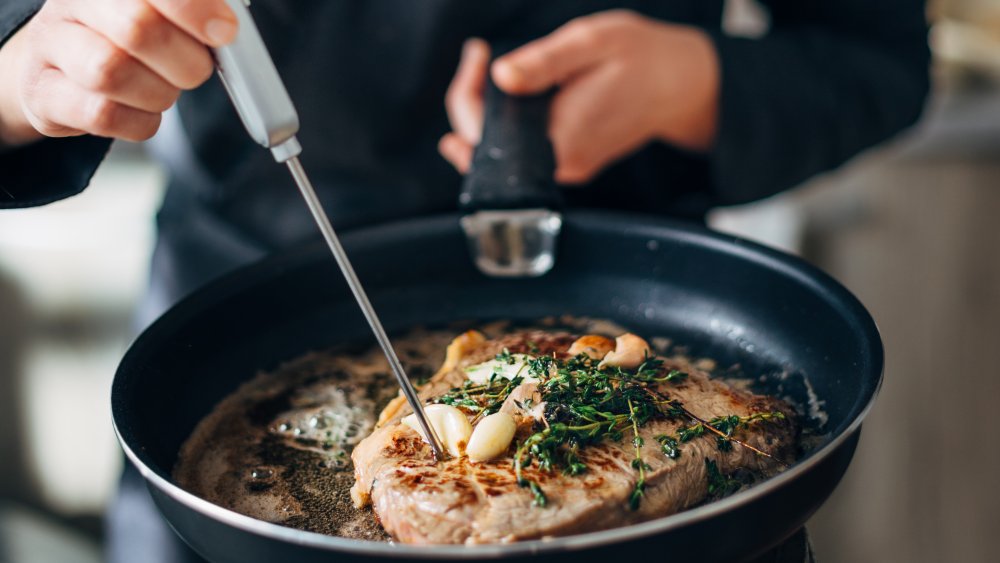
71,274
910,227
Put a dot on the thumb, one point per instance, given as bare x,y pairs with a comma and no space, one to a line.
549,61
464,99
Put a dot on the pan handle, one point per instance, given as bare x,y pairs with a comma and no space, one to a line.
513,166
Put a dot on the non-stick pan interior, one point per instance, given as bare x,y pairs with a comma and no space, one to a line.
722,298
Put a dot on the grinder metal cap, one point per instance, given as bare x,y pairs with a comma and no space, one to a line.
512,221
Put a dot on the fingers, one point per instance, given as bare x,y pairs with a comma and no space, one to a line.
15,129
464,102
209,21
60,108
600,118
457,151
553,59
135,27
99,66
614,94
111,67
464,99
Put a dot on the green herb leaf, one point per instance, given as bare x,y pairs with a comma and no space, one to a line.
668,445
723,444
691,432
719,485
675,375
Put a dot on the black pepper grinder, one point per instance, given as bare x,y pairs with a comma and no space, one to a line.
509,196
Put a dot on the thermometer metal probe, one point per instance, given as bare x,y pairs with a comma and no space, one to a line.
262,101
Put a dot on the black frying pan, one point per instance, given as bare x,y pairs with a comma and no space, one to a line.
721,297
725,298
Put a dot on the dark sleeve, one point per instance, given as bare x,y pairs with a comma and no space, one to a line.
51,169
829,80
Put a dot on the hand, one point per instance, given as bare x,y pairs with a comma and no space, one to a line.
106,67
623,80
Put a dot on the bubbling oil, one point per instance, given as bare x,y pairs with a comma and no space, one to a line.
278,449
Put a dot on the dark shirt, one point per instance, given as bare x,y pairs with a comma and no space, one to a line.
369,77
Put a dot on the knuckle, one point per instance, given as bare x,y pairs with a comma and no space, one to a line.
453,98
571,175
38,102
207,69
622,17
583,31
142,27
606,29
46,126
146,130
448,147
624,27
574,161
575,168
166,99
197,71
106,70
188,6
101,116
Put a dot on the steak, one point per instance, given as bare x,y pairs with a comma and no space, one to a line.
419,500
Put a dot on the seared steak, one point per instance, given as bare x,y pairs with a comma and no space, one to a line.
419,500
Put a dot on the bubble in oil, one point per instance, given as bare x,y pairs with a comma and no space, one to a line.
261,479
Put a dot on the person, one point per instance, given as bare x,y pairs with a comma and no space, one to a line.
656,111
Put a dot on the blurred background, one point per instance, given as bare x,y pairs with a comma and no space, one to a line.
911,228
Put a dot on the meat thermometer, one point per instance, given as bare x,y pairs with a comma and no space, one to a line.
262,101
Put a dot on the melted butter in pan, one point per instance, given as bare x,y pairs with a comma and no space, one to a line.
278,449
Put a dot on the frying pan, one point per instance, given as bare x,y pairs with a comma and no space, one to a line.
720,297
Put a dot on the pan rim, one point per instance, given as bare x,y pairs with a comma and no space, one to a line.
789,265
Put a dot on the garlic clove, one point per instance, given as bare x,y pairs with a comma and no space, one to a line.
629,353
491,437
594,346
458,349
450,424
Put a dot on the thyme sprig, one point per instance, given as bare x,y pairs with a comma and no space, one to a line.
638,464
723,427
483,399
586,404
726,425
719,485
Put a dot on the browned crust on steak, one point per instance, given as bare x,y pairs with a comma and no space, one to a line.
421,501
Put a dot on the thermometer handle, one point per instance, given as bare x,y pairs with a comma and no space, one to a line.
256,89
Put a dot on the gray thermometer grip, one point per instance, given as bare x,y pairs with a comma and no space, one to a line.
256,89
